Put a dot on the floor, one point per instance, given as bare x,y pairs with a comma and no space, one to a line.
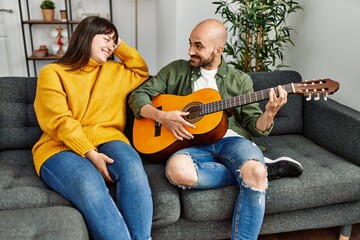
319,234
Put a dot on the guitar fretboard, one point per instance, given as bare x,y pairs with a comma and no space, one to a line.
238,101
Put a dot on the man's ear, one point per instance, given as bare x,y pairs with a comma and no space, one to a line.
219,50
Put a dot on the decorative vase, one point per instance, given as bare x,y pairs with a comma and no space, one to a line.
48,14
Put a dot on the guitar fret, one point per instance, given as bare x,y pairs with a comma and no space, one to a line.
208,108
240,100
213,105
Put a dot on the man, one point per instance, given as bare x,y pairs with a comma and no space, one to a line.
233,159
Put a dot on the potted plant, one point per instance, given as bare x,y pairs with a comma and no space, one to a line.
48,10
258,32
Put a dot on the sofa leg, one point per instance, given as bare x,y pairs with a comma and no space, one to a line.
345,232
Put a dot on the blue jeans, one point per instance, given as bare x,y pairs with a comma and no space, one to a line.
217,166
129,216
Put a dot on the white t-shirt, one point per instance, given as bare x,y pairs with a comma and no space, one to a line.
207,80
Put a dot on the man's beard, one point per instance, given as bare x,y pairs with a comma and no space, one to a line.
203,62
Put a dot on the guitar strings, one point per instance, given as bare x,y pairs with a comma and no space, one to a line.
239,100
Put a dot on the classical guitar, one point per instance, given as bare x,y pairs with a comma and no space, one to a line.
206,112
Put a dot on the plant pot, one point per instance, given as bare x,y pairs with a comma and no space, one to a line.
63,15
48,14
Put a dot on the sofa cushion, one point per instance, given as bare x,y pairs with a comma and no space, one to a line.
18,120
20,187
327,178
289,118
325,175
61,223
165,196
208,205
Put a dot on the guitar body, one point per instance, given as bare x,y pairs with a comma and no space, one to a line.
206,110
157,143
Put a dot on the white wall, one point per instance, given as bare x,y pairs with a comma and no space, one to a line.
164,27
166,32
326,40
327,45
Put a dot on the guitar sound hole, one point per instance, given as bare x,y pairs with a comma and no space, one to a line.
194,110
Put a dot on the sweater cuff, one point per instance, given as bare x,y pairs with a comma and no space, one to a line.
124,51
81,146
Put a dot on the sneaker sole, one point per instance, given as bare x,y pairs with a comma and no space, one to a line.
286,159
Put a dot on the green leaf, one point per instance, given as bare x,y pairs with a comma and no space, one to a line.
265,19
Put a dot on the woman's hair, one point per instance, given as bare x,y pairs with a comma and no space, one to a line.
77,54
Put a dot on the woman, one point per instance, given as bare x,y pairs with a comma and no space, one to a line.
80,105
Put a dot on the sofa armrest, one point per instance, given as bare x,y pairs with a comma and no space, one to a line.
334,127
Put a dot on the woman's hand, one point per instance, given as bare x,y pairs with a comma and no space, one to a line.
100,161
116,45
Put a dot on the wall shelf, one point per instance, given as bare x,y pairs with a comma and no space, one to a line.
48,57
28,23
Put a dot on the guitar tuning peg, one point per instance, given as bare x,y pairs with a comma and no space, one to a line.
317,97
326,96
308,97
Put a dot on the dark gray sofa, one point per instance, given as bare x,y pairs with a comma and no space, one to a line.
323,136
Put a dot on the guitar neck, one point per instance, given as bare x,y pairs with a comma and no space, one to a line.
238,101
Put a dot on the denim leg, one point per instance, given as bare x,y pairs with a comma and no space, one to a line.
249,208
133,194
211,174
76,178
218,165
248,214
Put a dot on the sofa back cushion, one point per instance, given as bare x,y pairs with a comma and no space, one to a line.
18,124
289,119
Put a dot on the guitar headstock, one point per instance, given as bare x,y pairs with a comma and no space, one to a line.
316,88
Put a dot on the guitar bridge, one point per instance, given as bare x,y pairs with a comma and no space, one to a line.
157,129
157,126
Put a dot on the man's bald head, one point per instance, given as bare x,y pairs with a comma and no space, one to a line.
211,29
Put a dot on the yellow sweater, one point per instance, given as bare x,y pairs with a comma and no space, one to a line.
77,111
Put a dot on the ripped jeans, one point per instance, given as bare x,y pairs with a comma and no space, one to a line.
217,166
129,215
